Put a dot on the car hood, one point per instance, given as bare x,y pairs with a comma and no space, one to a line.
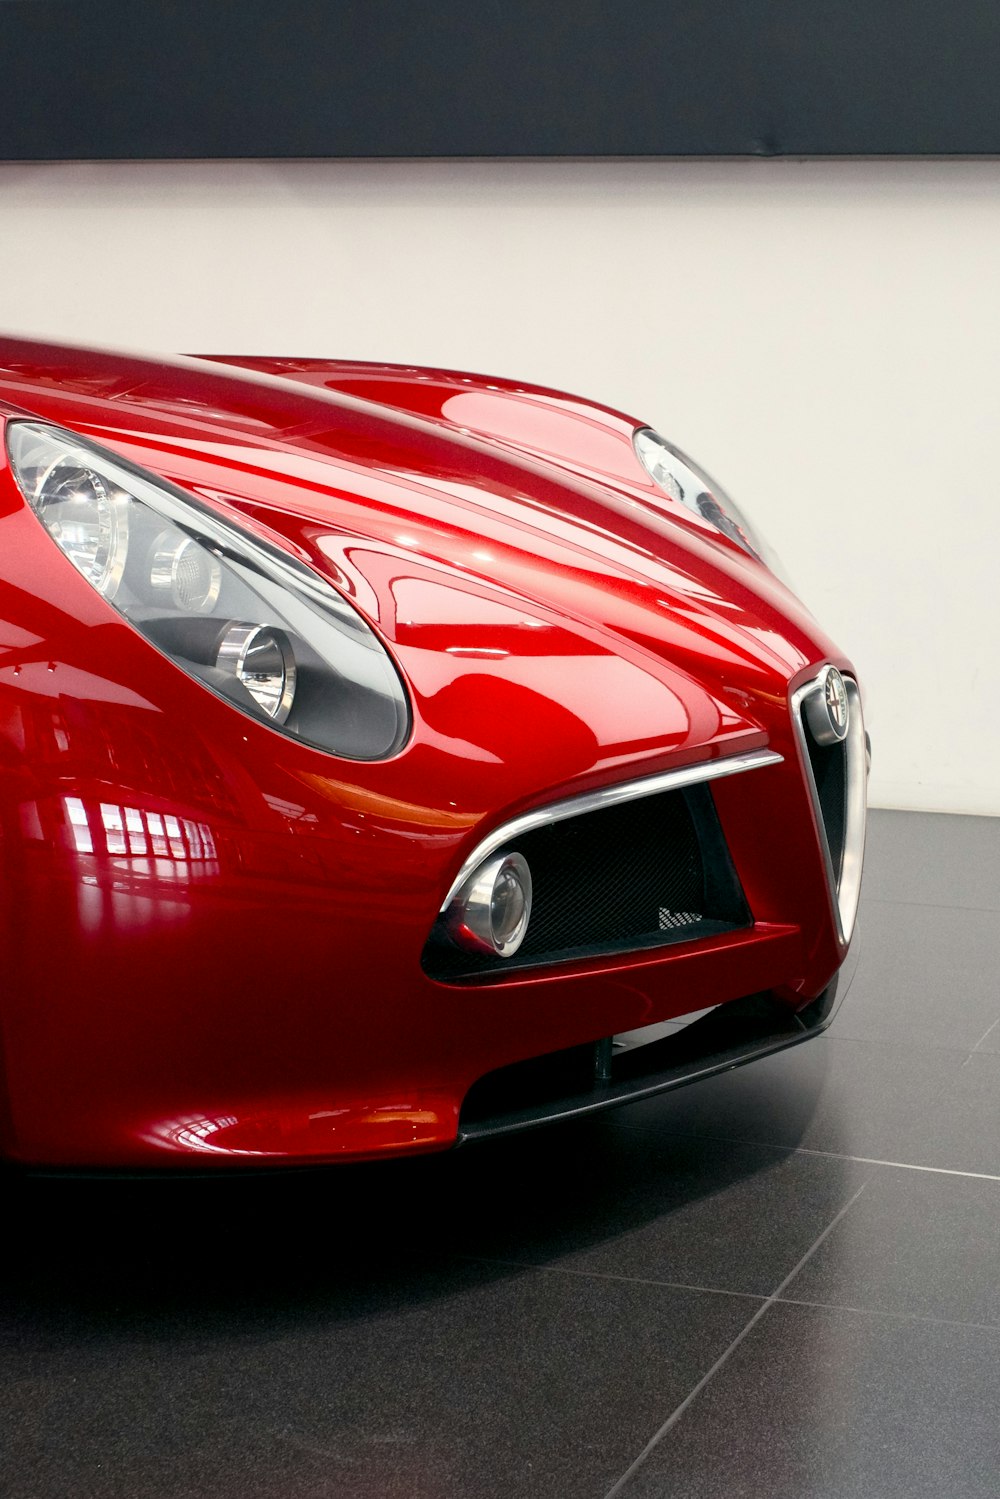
453,544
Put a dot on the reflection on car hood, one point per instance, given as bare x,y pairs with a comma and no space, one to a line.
402,511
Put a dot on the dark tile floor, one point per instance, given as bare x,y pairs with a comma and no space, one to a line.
784,1282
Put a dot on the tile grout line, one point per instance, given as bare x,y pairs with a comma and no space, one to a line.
682,1285
629,1280
689,1399
932,1046
866,1160
829,1155
874,1311
929,905
988,1033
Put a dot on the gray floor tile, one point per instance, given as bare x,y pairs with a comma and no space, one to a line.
655,1207
830,1404
391,1380
962,1128
914,1244
927,976
854,1098
929,859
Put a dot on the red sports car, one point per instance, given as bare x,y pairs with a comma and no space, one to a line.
390,758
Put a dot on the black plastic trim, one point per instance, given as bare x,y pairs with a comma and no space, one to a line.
729,1036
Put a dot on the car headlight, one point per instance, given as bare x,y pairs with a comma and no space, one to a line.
685,482
241,616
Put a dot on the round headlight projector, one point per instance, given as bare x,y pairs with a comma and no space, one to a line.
490,913
827,709
261,659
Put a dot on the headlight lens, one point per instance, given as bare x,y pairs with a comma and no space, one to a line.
244,618
88,522
684,481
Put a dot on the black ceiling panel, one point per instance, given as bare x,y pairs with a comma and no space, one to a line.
147,79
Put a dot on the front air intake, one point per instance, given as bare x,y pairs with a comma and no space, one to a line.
836,772
641,874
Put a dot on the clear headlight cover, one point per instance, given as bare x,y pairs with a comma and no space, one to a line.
685,482
241,616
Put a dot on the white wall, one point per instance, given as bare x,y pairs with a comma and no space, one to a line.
823,336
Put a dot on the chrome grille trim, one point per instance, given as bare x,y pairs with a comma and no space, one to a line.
845,890
608,796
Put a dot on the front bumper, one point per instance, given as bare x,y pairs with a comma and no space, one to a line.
243,987
587,1080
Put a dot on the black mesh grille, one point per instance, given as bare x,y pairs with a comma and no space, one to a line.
829,769
642,874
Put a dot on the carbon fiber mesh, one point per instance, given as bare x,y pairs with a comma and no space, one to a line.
638,875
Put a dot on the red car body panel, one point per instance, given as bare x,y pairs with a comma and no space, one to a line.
212,934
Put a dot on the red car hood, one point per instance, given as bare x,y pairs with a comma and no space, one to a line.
454,545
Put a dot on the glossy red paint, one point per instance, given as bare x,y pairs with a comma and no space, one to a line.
212,934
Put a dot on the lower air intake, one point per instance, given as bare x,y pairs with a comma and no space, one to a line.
637,875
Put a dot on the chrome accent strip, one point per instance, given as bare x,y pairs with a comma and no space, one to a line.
608,796
845,892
